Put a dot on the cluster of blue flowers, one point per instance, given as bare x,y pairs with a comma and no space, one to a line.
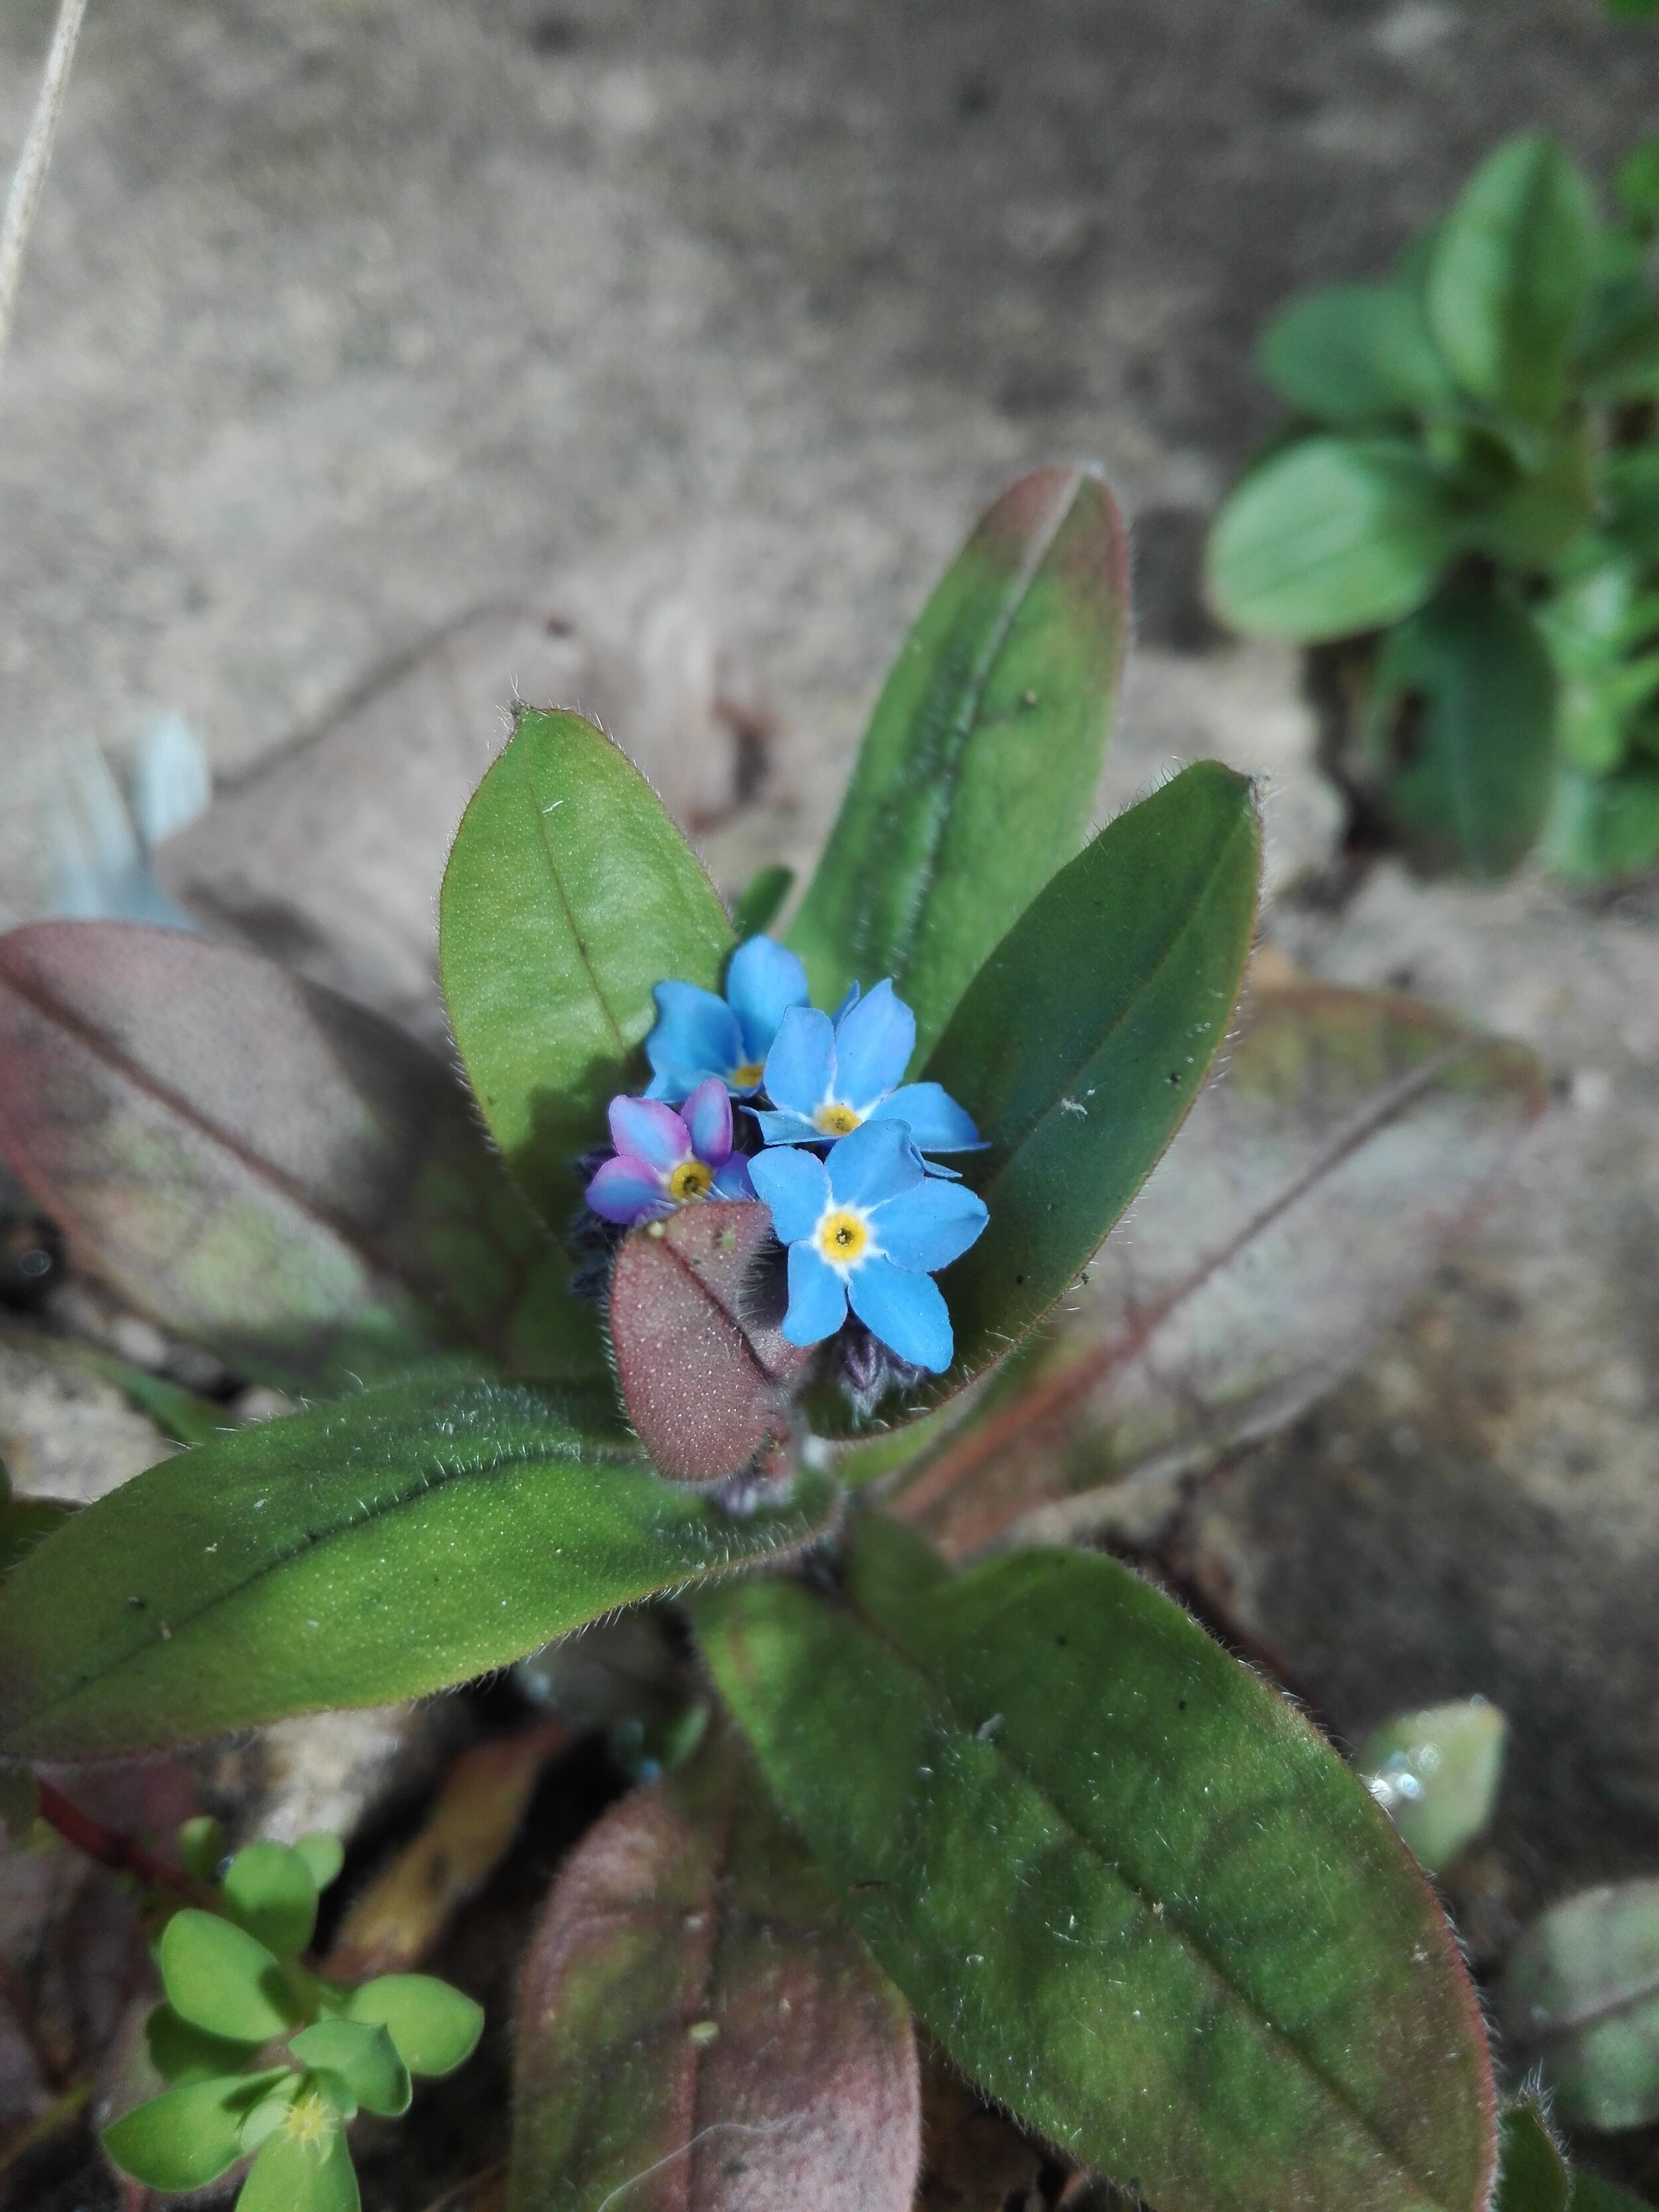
846,1165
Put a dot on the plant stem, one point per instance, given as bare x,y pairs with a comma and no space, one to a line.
72,2102
112,1849
31,171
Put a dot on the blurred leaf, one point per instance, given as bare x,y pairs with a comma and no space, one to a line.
705,1381
1331,536
761,903
188,2136
1580,1994
181,2053
1127,1887
380,1548
1601,828
1084,1038
202,1847
1436,1773
978,772
1458,732
264,1167
480,1806
295,2173
1353,352
1531,2175
1591,2194
1630,483
1511,275
183,1415
696,2005
1553,504
569,894
1638,181
1355,1138
20,1801
324,1855
435,2027
219,1977
365,2057
270,1892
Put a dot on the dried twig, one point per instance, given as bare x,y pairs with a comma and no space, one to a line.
31,171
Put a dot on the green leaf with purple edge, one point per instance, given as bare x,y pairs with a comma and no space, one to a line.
1532,2174
977,774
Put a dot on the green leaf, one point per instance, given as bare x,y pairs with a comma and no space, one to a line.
307,2171
568,895
265,1167
364,2056
1601,828
434,2027
1580,1994
182,2054
1458,732
1355,1138
1084,1038
1436,1774
1637,182
219,1977
26,1522
694,1994
761,903
1552,505
269,2114
1127,1887
324,1855
1511,276
978,772
20,1801
187,2137
378,1548
1591,2194
1531,2175
270,1892
202,1847
1333,536
1356,352
183,1415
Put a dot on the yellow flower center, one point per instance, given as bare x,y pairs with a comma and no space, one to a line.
842,1237
309,2119
836,1120
690,1181
747,1078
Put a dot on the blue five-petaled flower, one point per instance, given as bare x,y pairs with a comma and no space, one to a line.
827,1078
867,1227
698,1034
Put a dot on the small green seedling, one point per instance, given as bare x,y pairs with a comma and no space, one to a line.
262,2057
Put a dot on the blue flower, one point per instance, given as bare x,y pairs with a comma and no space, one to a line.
867,1227
698,1034
827,1078
665,1159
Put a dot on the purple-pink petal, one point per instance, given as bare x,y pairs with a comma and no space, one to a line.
707,1115
625,1191
653,1133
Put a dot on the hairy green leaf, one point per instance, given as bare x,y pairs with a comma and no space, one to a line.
1459,730
568,895
1580,1994
1532,2174
1126,1886
979,768
1511,274
1332,536
695,2005
378,1548
265,1167
1354,353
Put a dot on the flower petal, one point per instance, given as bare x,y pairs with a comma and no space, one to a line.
733,1180
928,1227
707,1116
907,1312
626,1191
817,1297
876,1162
787,1128
802,1061
697,1034
764,979
795,1187
936,1122
873,1044
651,1131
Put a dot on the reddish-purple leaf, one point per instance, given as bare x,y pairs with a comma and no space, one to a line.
262,1165
704,1377
699,2029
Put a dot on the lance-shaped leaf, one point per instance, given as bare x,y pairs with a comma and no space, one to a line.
378,1548
1581,1995
979,768
569,894
262,1165
704,1377
1082,1040
1124,1883
1357,1136
1532,2174
699,2029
